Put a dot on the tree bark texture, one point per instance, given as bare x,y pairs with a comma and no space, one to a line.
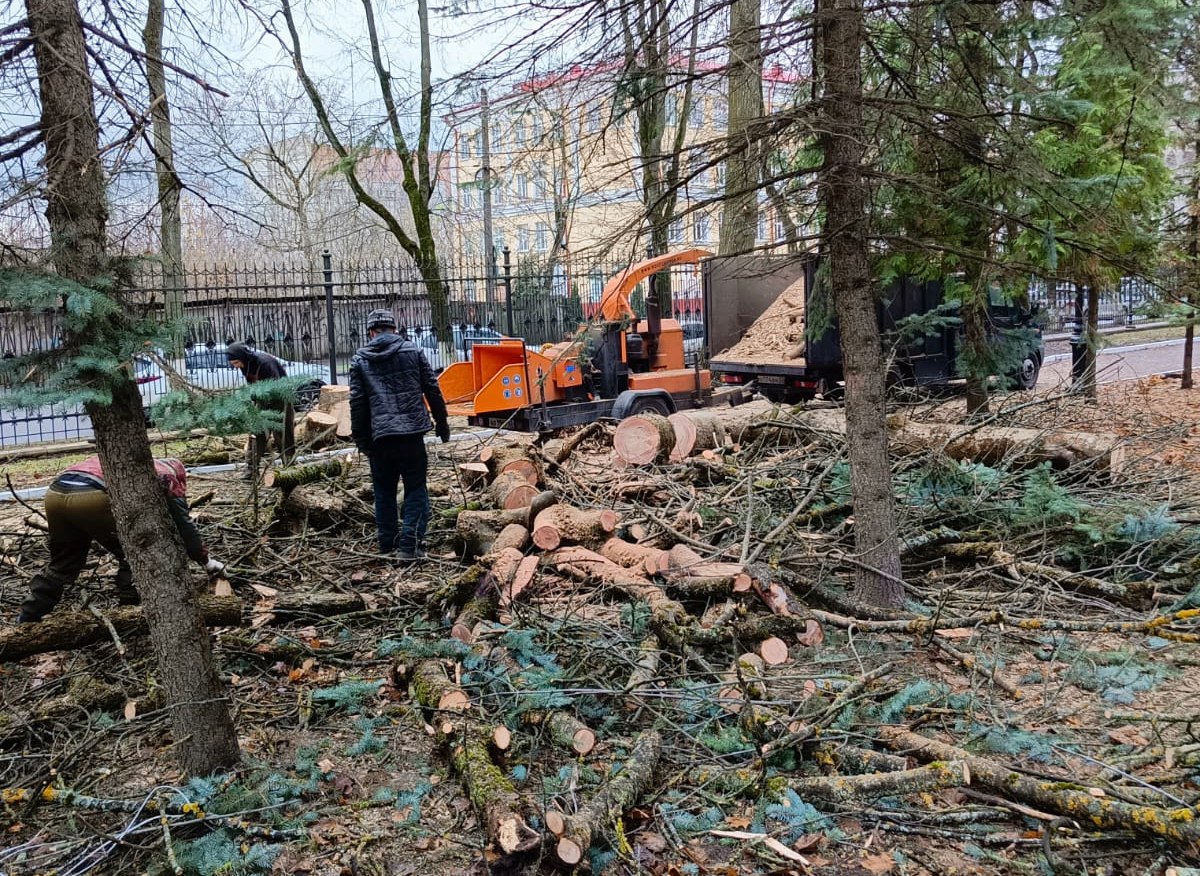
76,213
739,221
844,197
169,185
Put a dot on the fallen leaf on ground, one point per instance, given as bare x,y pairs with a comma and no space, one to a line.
1128,735
880,863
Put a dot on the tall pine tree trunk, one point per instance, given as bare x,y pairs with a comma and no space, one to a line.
169,186
1087,383
739,218
844,196
76,212
1192,274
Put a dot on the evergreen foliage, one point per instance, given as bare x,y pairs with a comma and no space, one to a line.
349,696
794,817
918,693
220,854
368,742
1045,501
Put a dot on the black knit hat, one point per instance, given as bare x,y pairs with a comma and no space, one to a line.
381,319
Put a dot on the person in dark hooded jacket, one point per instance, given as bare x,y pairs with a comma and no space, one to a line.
78,512
390,383
256,366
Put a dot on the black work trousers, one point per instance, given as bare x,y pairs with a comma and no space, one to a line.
75,519
396,458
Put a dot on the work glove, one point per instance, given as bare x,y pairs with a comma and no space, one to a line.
214,567
443,431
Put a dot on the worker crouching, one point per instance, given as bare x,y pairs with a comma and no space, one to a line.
78,512
390,383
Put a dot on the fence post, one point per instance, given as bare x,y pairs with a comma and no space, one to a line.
508,290
330,333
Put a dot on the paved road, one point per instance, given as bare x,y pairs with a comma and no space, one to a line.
1121,363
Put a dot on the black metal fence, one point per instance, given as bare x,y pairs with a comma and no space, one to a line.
313,317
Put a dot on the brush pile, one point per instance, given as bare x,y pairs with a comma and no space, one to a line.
658,668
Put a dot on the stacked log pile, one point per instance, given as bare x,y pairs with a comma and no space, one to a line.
329,420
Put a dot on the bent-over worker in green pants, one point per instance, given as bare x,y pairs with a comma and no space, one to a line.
78,512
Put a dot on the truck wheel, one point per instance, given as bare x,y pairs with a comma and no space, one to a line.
1026,377
774,394
649,405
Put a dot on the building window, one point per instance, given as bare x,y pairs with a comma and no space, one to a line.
498,241
719,173
700,228
539,181
697,172
497,141
522,186
477,142
696,116
780,230
522,238
498,189
469,285
720,112
542,237
593,118
538,130
672,109
675,231
762,226
464,145
465,198
519,132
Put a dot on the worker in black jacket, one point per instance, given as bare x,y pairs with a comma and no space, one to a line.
256,366
78,512
390,382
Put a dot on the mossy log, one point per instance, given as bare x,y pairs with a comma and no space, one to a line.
611,799
564,730
839,757
871,786
1067,798
643,439
493,795
287,479
476,531
563,524
300,605
63,630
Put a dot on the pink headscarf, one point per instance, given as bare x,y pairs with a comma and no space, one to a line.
171,473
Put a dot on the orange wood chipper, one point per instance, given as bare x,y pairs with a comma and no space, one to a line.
615,367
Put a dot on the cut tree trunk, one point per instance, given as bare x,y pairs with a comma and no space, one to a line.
986,444
67,630
477,531
585,565
489,789
1075,801
474,475
640,557
512,490
335,401
644,439
565,730
310,503
289,478
318,429
695,431
512,536
512,459
612,799
563,524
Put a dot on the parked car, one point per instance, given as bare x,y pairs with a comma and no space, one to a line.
463,338
693,342
207,367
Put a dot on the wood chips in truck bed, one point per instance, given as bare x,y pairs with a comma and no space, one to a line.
776,337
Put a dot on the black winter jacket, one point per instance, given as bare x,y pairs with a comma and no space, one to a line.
259,366
390,381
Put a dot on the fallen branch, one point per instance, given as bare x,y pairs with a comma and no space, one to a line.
613,798
844,789
1064,797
